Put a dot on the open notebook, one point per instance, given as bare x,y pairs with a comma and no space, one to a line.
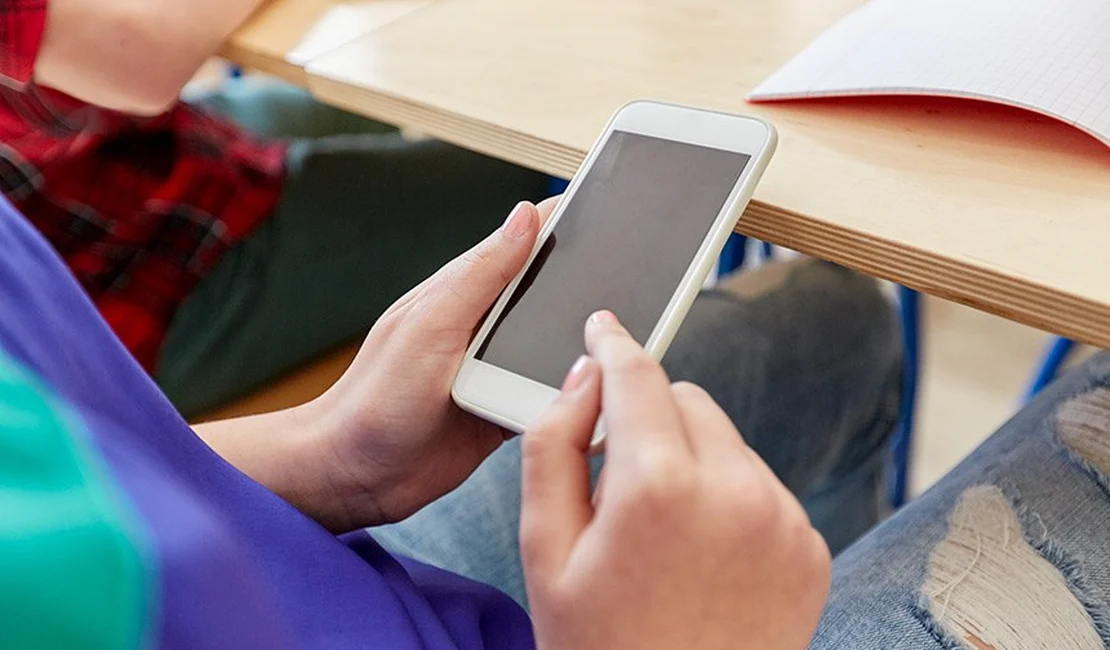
1049,56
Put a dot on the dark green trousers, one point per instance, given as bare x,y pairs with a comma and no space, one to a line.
365,215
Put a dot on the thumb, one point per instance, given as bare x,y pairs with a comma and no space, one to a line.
555,498
465,289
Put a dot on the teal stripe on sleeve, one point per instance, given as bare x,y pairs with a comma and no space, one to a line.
72,570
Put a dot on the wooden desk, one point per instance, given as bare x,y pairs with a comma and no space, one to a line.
286,34
990,207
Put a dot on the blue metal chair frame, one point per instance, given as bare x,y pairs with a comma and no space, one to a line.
733,254
1055,356
909,304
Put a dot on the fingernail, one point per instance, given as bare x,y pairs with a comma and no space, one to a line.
519,220
576,375
603,316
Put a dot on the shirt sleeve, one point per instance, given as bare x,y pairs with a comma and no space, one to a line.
22,23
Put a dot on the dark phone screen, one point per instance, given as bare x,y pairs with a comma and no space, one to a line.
624,243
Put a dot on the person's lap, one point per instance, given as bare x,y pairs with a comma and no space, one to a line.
805,357
1006,552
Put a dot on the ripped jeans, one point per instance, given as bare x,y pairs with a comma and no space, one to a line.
1010,551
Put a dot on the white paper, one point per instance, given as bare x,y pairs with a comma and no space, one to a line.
1049,56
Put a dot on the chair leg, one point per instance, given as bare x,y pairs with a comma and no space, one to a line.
556,186
902,447
1054,358
732,255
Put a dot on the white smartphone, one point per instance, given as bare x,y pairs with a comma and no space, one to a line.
637,231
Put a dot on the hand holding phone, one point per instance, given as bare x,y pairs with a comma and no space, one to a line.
637,232
387,439
690,541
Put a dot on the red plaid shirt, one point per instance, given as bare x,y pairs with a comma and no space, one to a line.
140,208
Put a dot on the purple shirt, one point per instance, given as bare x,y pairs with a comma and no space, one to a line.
227,563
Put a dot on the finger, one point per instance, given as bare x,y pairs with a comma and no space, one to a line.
716,441
712,434
555,498
640,411
596,499
547,206
464,290
768,475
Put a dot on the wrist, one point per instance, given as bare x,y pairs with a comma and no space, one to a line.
334,484
319,473
293,454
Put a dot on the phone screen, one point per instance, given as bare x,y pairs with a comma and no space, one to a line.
623,243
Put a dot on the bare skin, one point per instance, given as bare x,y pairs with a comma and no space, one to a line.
133,55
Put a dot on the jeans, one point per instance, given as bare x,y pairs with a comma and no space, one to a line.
1010,550
804,356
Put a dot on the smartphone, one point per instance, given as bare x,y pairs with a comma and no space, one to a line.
637,231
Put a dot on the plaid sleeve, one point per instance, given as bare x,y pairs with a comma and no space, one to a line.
21,26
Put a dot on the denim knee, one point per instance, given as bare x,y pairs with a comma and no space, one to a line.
1006,552
805,357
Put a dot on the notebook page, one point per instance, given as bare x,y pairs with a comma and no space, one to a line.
1050,56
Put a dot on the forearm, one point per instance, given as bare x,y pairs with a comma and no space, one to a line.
132,55
286,451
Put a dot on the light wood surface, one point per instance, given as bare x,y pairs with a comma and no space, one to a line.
992,207
286,34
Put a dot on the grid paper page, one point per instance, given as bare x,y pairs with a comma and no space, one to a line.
1049,56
